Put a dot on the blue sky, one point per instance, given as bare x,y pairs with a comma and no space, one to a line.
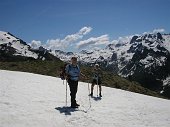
73,25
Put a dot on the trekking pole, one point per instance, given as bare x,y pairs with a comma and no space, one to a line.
97,87
89,100
66,93
89,94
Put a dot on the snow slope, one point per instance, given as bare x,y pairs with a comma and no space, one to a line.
31,100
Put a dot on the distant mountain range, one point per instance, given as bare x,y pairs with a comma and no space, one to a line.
15,49
143,58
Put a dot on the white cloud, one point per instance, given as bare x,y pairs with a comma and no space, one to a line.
79,35
102,40
158,30
146,33
62,43
71,38
85,30
122,40
53,44
35,44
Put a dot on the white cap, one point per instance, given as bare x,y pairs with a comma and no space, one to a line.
96,65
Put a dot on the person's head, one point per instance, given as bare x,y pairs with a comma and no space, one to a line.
96,66
74,60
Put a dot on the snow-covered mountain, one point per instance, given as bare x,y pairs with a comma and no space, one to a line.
166,87
125,50
31,100
146,57
148,51
12,48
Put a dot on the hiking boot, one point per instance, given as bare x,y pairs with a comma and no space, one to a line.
91,94
74,106
77,104
100,95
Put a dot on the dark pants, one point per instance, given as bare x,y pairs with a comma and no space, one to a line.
73,90
97,82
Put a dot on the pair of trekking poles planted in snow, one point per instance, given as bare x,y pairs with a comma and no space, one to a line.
71,73
88,93
67,92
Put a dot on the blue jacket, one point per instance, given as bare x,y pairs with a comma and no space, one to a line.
73,72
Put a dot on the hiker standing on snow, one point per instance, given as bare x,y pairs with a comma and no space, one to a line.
97,74
72,75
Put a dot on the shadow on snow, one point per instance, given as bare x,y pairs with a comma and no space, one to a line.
96,98
66,110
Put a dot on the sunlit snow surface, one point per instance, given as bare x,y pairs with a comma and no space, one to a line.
31,100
